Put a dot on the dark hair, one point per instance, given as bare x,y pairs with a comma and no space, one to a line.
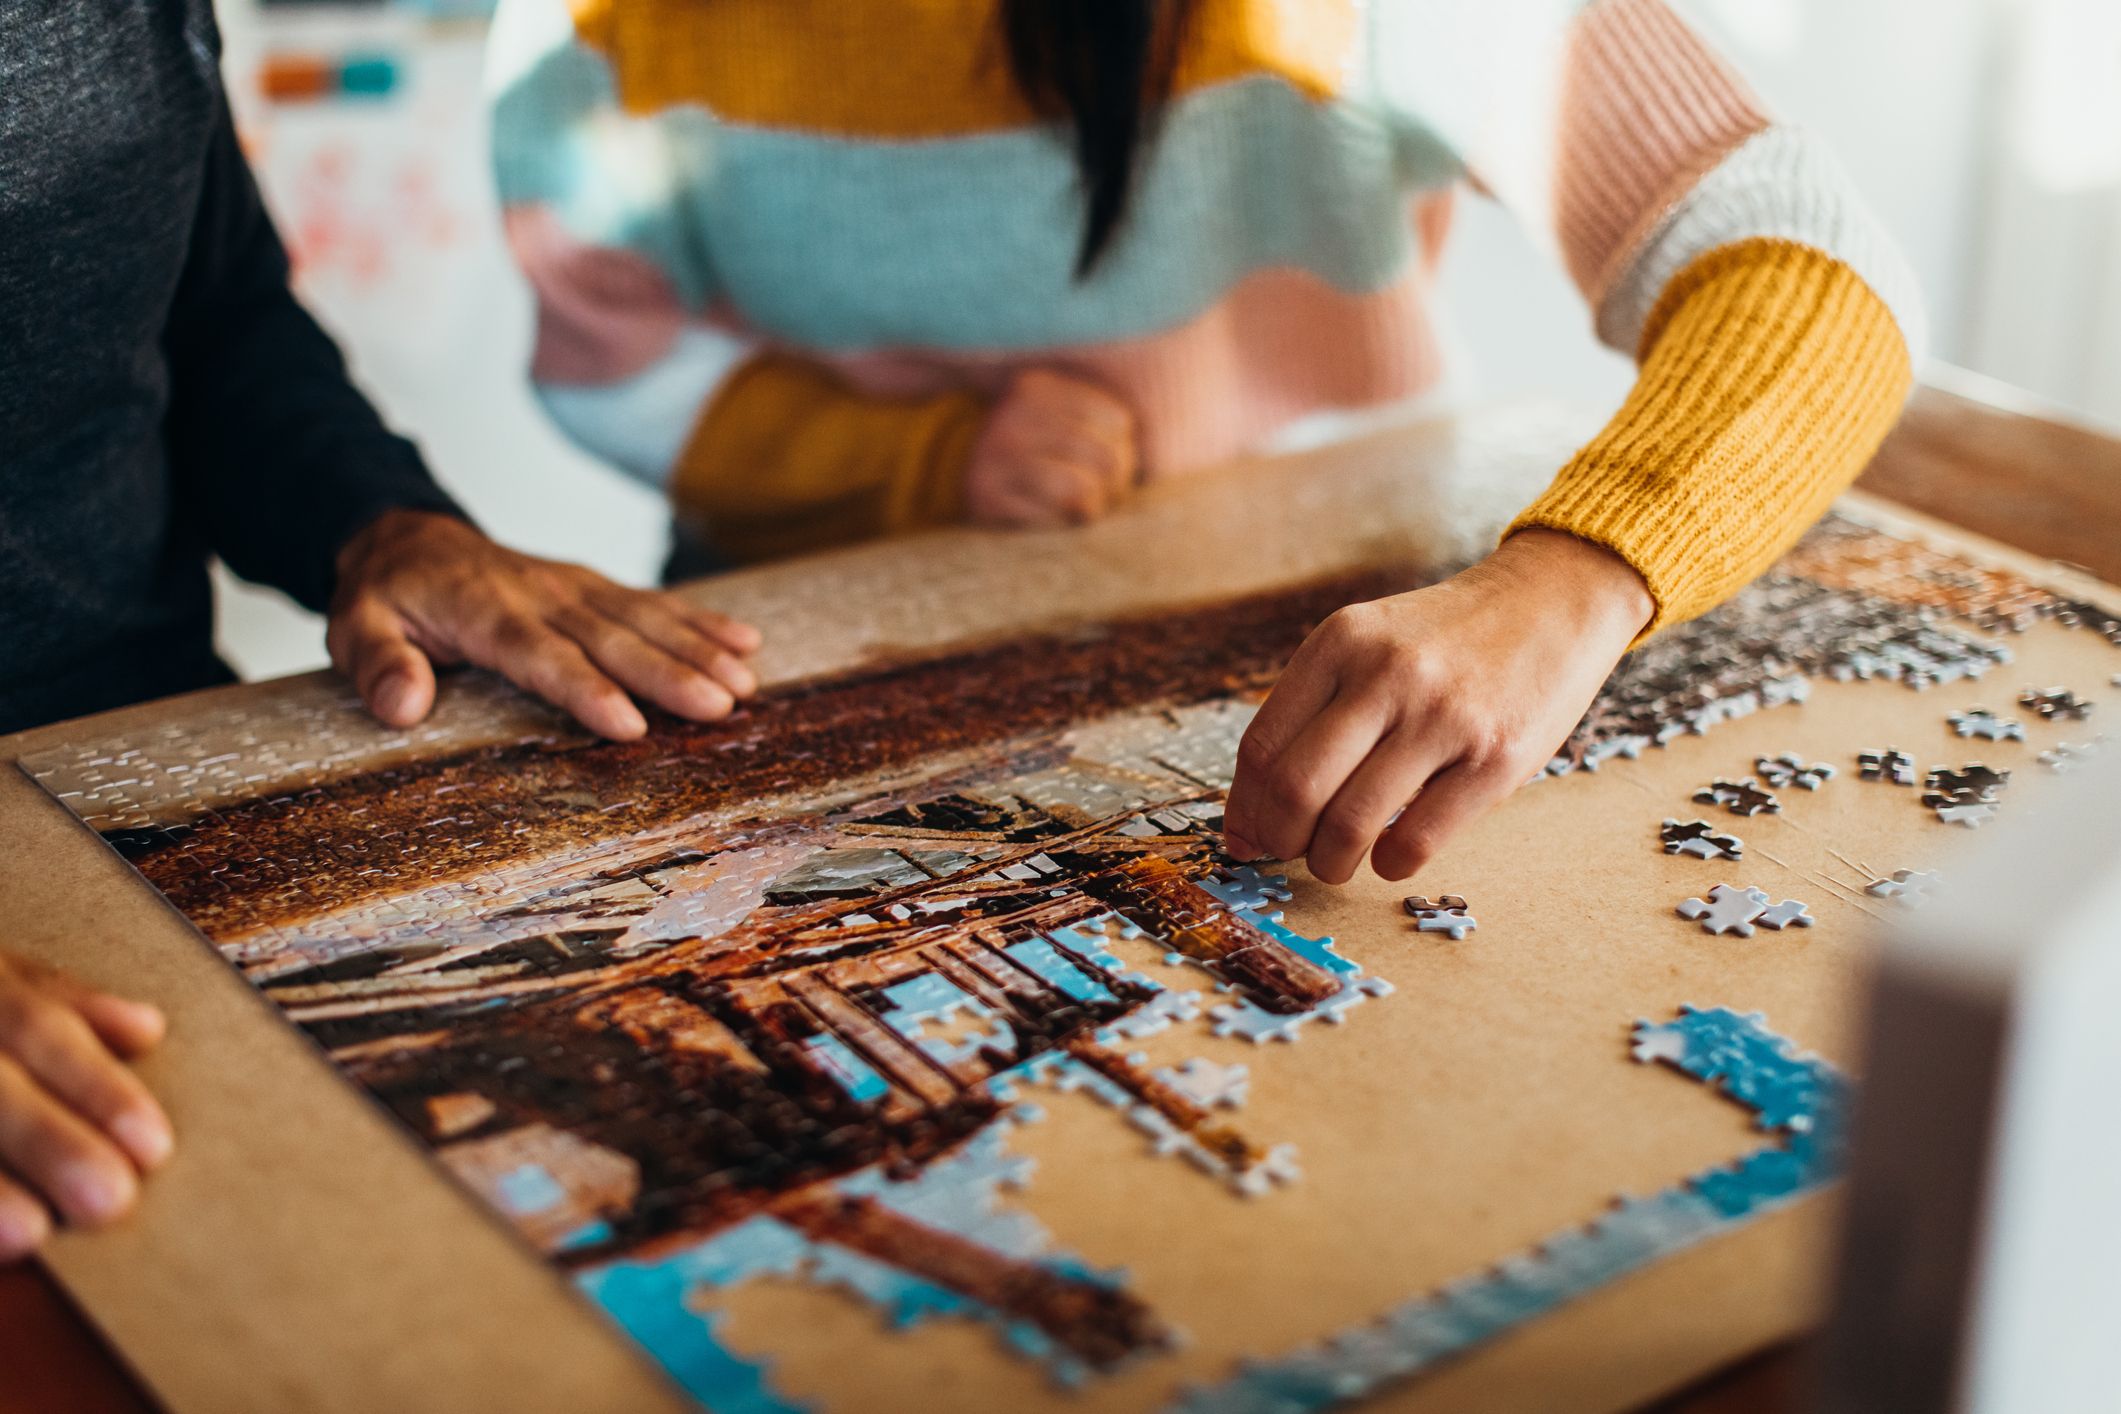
1106,66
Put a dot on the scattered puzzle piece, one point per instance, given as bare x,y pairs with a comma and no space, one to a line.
1981,722
2065,757
1908,887
1699,838
2055,704
1787,914
1727,910
1446,914
1891,765
1742,797
1966,796
1790,769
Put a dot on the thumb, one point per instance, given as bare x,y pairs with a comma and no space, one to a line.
369,644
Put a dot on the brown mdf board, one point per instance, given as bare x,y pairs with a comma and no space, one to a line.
306,1250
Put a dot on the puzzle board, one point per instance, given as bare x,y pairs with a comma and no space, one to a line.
914,1017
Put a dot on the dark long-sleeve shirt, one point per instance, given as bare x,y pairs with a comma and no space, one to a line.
163,397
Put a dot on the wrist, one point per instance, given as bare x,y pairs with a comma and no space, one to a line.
393,527
1579,582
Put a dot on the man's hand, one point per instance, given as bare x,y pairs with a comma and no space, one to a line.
1055,450
77,1128
1430,706
418,590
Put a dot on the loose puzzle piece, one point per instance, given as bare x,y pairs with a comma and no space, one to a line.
1700,839
2055,704
1891,764
1743,797
1445,915
1966,796
1787,914
1790,769
1727,910
1981,722
1907,887
2065,757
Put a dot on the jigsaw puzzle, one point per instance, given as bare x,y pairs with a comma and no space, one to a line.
768,998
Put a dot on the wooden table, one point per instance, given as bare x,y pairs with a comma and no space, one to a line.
1969,452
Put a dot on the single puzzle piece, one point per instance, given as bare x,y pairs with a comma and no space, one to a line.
1908,887
1446,914
1699,838
1741,797
1791,769
1966,796
1209,1084
1787,914
2055,704
1890,764
1981,722
1970,783
1242,887
2065,757
1726,910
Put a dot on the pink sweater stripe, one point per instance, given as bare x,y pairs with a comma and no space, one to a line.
1646,109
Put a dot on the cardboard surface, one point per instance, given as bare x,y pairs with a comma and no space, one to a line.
303,1253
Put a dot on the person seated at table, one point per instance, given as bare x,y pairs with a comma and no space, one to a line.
831,269
163,399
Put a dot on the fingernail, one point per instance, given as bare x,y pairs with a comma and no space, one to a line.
145,1137
1238,845
629,720
94,1191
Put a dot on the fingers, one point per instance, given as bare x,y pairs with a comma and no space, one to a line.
82,1174
698,638
1451,799
55,1046
1305,690
369,643
129,1028
540,660
1373,793
24,1224
1280,811
645,668
1050,492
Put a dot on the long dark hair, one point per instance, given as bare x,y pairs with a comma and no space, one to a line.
1106,67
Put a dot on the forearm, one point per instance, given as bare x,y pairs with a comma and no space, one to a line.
1772,373
788,457
276,454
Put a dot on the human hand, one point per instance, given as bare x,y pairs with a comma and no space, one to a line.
417,590
1055,450
1431,706
77,1128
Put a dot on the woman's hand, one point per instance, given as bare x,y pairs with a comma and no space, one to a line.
77,1128
1430,706
418,589
1056,450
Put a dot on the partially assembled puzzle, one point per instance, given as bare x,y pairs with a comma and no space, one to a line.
780,997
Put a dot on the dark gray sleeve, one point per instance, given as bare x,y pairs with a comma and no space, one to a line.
277,458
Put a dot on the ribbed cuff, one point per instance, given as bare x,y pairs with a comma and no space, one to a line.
1772,375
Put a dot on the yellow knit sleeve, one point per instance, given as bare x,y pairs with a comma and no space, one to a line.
788,458
1769,375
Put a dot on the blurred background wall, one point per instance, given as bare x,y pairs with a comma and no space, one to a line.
1987,133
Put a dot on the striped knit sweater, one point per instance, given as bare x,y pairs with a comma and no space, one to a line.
785,251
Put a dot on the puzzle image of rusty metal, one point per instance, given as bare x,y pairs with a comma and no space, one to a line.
774,997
